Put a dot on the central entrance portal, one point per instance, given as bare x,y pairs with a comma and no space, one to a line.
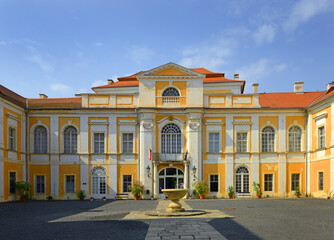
170,178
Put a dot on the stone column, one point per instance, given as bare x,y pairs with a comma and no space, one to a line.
155,179
186,177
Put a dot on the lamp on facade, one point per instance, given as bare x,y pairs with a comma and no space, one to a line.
194,171
148,171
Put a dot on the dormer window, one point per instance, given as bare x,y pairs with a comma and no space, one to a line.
171,95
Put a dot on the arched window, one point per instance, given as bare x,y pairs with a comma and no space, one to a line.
70,140
171,139
268,139
242,180
171,92
295,139
40,140
99,182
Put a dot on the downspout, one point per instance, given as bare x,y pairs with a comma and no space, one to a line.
138,122
26,142
202,133
306,151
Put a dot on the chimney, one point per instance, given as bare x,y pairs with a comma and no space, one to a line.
42,95
236,76
110,81
298,87
255,88
329,85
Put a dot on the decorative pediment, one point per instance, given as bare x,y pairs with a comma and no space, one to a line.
170,70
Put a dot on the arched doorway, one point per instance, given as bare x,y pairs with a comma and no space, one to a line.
170,178
242,181
99,182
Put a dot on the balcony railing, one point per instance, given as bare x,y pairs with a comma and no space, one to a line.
170,99
169,157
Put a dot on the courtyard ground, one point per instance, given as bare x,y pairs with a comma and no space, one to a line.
124,219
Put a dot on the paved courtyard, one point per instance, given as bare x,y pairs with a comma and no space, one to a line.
125,219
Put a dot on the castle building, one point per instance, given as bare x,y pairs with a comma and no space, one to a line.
168,127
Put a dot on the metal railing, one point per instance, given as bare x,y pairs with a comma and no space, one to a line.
169,157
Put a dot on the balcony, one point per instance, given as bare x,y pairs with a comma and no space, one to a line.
169,157
171,100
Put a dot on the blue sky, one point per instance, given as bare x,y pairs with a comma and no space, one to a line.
65,47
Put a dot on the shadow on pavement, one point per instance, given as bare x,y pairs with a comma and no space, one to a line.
231,229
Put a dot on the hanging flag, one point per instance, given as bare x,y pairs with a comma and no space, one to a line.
186,156
150,154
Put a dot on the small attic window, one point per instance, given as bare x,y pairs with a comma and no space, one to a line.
171,92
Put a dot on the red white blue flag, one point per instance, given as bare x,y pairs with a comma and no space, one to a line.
150,154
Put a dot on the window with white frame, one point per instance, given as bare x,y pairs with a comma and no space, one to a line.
320,181
213,142
268,182
70,184
40,184
295,178
12,139
321,137
98,142
127,181
171,139
12,181
40,140
127,142
241,142
295,139
268,139
70,140
214,182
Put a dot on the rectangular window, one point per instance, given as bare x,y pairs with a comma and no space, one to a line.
127,142
70,188
213,142
213,183
12,180
321,137
40,184
98,142
294,181
241,142
126,182
268,182
321,181
11,138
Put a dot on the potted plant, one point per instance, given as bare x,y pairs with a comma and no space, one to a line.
49,198
23,188
81,194
137,189
297,192
257,189
201,188
104,198
329,194
230,192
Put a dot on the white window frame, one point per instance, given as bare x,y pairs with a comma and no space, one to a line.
122,145
320,144
219,142
62,137
299,180
44,177
264,182
275,138
237,142
65,183
163,123
128,191
14,137
32,137
104,142
218,182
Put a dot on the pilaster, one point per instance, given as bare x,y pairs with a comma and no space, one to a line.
255,172
229,172
281,133
282,175
84,134
113,180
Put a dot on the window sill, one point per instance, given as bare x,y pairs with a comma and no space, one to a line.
320,149
214,153
128,153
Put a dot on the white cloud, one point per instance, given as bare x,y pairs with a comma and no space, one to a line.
304,10
3,43
280,67
61,88
98,44
264,34
41,62
140,54
208,55
97,83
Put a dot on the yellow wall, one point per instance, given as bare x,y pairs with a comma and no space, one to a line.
11,167
68,170
40,170
126,169
170,72
320,166
213,169
269,168
295,168
18,132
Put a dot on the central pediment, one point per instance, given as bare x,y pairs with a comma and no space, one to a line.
170,70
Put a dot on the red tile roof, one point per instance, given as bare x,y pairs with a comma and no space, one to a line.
64,103
288,99
12,96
